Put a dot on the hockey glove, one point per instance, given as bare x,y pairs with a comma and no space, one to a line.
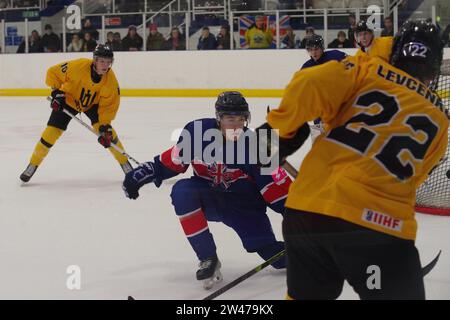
136,178
58,100
277,148
105,135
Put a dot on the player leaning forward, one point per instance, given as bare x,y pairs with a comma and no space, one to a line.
351,209
81,86
226,187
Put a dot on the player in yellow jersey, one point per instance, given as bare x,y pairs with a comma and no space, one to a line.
350,213
81,86
371,45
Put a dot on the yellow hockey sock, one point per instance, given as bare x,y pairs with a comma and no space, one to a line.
48,139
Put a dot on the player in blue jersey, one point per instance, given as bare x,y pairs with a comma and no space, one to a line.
226,186
316,50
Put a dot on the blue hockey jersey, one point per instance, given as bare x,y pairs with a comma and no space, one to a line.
326,56
232,174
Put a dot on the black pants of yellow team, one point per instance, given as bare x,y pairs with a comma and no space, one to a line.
58,123
324,251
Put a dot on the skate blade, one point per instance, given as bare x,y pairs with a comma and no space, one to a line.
208,284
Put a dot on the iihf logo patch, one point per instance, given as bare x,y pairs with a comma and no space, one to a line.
382,219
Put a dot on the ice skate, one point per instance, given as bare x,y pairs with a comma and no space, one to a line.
209,272
28,173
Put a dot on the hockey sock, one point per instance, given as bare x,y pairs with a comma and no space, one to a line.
196,229
48,139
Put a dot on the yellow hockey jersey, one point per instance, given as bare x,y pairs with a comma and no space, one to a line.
381,47
258,39
74,78
385,133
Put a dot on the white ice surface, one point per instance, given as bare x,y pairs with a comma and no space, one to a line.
73,212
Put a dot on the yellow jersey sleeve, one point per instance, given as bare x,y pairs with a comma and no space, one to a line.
58,74
304,100
109,100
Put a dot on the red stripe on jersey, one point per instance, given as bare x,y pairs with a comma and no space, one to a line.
171,160
194,222
278,189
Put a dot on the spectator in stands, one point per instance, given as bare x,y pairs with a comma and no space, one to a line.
309,33
388,30
155,40
34,44
117,42
341,41
110,39
89,43
132,41
351,29
207,40
50,40
224,38
258,36
288,41
176,40
88,27
76,44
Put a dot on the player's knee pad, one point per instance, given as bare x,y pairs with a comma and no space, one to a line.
183,196
272,249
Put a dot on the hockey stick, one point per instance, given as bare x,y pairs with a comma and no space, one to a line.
84,124
235,282
425,270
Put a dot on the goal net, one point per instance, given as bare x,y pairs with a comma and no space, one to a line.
433,196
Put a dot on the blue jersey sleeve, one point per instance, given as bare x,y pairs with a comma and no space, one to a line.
274,187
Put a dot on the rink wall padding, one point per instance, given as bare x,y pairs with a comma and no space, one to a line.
257,73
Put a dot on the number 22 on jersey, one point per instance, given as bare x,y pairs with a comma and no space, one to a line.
389,155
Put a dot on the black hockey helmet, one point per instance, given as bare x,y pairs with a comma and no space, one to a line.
315,41
418,49
362,26
103,51
232,103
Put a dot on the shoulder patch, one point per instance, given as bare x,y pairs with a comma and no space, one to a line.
347,64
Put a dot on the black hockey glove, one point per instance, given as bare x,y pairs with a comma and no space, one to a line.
58,100
136,178
267,139
105,135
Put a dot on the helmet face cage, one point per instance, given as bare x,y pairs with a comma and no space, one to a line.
418,50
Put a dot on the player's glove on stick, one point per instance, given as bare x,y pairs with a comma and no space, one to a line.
136,178
58,100
105,135
277,148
